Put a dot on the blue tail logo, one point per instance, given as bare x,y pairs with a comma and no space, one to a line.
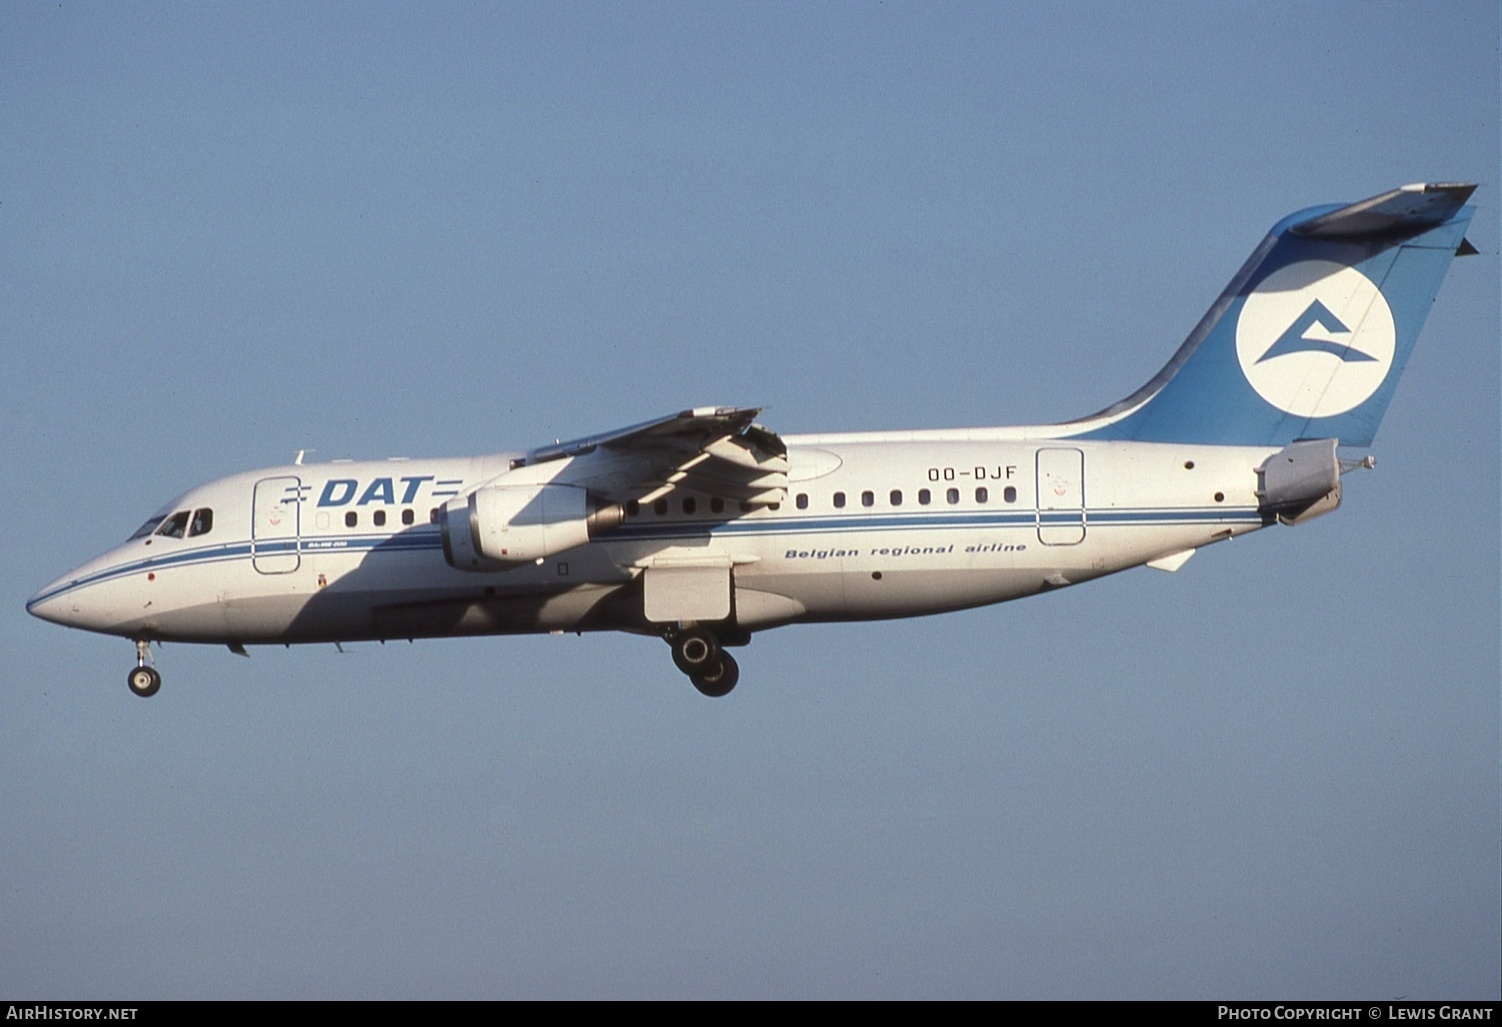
1314,332
1311,335
1315,338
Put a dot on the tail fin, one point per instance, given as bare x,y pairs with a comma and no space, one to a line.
1310,337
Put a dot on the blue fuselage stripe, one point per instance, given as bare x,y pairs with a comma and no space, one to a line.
428,538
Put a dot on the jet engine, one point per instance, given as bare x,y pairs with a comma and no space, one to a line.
497,527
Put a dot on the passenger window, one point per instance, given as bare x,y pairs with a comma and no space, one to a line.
351,519
433,515
896,497
868,498
407,517
839,500
982,495
633,507
924,497
660,507
1009,494
174,526
716,505
379,518
203,522
952,496
802,501
690,505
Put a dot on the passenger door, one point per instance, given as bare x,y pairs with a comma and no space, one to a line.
275,545
1061,497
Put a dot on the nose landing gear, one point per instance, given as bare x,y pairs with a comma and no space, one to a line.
698,654
144,680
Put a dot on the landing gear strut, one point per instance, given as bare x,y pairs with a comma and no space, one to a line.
698,654
144,680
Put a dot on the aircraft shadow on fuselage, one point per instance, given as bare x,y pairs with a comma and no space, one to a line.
583,589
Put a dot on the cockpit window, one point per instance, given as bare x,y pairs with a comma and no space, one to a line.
174,526
202,523
147,528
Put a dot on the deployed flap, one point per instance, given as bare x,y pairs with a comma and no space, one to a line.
716,451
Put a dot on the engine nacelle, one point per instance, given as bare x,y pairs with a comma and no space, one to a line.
501,526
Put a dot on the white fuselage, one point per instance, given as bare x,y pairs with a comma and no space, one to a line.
704,526
875,525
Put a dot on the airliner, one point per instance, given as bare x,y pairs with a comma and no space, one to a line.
704,527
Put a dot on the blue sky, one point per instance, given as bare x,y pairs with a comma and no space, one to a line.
230,233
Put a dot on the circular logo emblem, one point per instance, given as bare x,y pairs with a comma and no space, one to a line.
1315,338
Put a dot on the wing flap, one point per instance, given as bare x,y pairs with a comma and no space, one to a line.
711,451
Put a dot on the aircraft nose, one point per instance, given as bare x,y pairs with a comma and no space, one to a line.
76,600
53,603
101,595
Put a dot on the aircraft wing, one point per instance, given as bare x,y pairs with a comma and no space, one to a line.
714,451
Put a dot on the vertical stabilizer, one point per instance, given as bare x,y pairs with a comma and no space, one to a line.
1310,337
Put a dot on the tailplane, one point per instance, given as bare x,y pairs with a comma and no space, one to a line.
1310,337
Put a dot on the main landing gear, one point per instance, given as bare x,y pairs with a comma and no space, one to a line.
698,654
144,680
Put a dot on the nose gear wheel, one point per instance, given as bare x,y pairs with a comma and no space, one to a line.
144,679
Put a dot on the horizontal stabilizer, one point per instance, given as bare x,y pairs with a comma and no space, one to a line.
1408,209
